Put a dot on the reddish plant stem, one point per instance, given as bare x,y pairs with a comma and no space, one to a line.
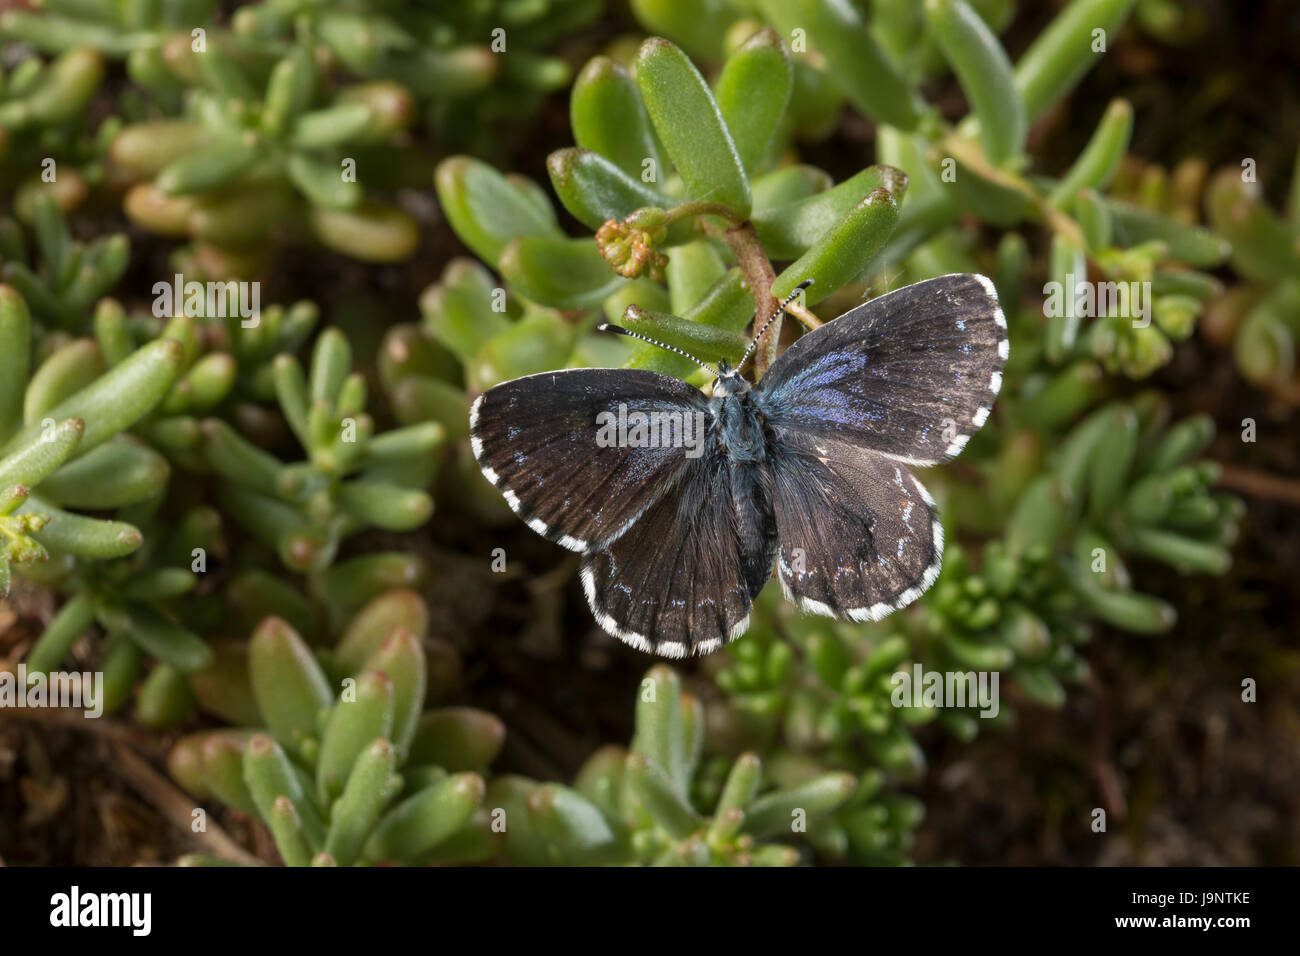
757,269
1260,484
700,208
176,807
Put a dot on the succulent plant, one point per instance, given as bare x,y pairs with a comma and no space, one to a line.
64,446
42,112
291,115
370,773
66,277
136,33
635,805
669,176
351,478
1260,317
176,382
469,66
178,481
252,152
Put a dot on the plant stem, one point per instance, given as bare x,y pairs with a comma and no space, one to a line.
972,157
175,806
805,316
757,269
703,208
1260,484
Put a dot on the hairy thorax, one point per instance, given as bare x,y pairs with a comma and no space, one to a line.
739,427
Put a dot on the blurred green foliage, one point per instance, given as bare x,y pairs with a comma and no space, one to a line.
371,773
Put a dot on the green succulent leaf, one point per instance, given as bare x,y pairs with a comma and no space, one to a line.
1100,159
1063,52
985,74
752,93
561,273
845,251
690,126
157,635
364,797
609,120
289,685
791,229
117,399
593,189
361,715
425,819
858,65
15,356
74,534
485,210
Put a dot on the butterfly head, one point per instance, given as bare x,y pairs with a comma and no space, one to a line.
730,381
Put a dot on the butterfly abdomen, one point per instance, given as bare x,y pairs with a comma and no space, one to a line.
755,523
743,444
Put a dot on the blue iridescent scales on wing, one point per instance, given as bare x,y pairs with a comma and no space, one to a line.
912,373
804,474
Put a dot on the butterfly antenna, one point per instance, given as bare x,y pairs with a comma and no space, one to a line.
763,328
619,330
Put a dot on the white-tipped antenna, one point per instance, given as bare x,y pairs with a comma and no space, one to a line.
619,330
763,328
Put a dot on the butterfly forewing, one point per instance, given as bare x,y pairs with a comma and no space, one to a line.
538,439
858,535
912,373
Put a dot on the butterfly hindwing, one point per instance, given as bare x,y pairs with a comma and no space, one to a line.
858,534
682,579
536,439
912,373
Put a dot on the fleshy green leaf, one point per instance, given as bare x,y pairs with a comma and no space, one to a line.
837,31
752,93
688,122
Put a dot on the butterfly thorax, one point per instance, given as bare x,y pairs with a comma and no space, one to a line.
739,426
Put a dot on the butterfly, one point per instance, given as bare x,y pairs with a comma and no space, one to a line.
683,503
